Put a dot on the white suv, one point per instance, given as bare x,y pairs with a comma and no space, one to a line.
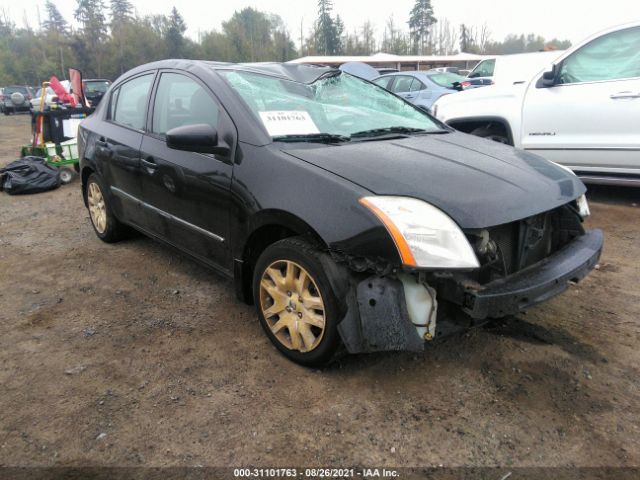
582,112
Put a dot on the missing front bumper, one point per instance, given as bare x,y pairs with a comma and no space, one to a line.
537,283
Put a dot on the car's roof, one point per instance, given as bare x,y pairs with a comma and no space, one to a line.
289,71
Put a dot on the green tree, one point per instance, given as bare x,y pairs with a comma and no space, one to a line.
175,39
421,19
55,22
327,38
90,41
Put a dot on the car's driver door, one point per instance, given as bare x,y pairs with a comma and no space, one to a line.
188,193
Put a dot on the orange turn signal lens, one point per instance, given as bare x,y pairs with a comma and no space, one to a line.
401,244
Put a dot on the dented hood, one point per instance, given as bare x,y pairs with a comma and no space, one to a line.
479,183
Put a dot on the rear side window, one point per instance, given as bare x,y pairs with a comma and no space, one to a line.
484,69
129,102
22,90
403,84
383,81
180,101
417,85
611,57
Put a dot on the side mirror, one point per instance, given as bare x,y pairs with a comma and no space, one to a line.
200,138
548,78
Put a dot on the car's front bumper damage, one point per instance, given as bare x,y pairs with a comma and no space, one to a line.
378,317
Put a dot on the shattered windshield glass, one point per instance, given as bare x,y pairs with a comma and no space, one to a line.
339,105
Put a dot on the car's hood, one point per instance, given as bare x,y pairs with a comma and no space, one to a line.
478,182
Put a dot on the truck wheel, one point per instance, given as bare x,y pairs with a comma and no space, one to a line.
295,302
492,133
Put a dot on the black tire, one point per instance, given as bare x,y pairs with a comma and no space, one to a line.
114,230
305,255
492,134
67,175
6,111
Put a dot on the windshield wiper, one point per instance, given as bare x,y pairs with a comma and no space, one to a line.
376,132
312,137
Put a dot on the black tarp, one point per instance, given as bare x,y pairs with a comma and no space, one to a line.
29,175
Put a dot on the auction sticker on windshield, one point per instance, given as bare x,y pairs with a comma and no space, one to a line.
288,122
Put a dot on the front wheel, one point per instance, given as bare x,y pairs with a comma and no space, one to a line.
295,302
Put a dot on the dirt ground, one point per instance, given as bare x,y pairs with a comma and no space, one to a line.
131,354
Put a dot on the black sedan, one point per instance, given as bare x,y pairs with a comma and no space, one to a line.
353,220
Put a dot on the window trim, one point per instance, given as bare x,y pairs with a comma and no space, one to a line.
116,88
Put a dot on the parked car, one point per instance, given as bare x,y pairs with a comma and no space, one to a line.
15,98
582,111
94,89
421,88
50,98
508,69
344,213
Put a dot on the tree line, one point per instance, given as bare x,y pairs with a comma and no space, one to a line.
109,38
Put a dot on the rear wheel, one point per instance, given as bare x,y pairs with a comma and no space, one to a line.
295,302
108,228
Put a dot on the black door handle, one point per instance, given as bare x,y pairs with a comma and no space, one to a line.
103,148
150,164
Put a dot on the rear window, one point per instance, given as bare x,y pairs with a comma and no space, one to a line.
22,90
484,69
446,79
96,87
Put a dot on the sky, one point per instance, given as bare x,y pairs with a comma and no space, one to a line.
572,19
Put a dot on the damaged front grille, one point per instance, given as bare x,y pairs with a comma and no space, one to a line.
509,248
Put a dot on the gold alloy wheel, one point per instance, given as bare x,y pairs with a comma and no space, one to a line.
292,305
97,208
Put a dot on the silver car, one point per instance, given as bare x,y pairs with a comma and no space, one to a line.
421,88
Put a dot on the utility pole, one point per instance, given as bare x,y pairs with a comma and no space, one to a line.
301,37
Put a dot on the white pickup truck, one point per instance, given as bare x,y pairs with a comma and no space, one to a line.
583,111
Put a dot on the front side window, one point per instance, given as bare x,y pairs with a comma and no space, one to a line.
340,104
484,69
180,101
613,56
129,104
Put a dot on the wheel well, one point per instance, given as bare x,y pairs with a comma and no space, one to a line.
257,243
86,172
495,124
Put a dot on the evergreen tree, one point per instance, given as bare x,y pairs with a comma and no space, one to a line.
121,13
420,21
326,34
55,22
175,34
89,44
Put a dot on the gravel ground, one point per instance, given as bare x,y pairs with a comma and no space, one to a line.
131,354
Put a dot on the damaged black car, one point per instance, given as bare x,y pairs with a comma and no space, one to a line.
353,220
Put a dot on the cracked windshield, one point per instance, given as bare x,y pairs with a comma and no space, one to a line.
339,105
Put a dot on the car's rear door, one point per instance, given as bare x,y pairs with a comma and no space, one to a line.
590,119
188,193
118,145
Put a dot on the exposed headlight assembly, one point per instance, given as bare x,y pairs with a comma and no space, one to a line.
425,236
583,206
581,201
